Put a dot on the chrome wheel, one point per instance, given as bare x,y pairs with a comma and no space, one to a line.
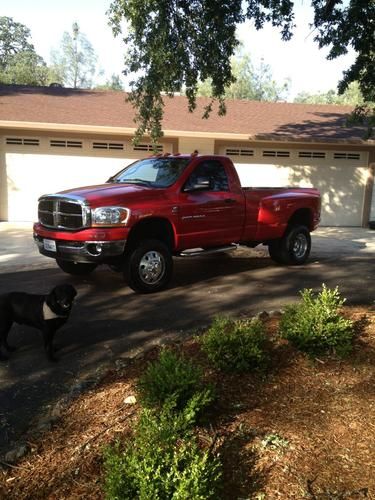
148,266
151,267
300,246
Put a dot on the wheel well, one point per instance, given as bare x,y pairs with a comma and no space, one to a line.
302,216
153,228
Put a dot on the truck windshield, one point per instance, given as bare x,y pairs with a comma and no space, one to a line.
153,172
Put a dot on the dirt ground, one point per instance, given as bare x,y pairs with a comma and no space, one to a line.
305,429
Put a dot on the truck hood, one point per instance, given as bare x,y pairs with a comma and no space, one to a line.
123,195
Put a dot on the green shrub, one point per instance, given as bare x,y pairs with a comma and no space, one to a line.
235,345
172,378
315,325
162,462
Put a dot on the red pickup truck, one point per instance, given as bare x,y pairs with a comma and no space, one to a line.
172,205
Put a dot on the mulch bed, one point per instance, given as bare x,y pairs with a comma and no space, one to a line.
303,429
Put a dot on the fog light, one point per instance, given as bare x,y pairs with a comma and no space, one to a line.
95,249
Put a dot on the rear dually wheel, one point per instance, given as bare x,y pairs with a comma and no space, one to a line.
293,248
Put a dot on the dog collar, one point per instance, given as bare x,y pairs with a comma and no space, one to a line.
49,314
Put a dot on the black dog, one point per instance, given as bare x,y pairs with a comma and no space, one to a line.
47,313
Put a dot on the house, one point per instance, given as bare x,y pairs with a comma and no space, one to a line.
53,139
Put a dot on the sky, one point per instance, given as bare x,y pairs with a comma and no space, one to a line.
299,59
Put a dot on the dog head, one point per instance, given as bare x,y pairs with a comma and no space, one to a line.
61,299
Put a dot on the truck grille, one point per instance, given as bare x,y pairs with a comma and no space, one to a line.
62,213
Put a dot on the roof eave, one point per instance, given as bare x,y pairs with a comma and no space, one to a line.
106,130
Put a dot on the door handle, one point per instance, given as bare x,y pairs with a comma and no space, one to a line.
229,200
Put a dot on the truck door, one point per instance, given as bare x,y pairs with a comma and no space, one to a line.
210,213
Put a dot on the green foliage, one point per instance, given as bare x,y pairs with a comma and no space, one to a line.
340,25
235,345
114,83
75,61
19,63
173,378
253,83
162,462
25,68
172,46
351,96
275,442
14,38
315,325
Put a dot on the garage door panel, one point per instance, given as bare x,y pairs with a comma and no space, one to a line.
341,187
30,176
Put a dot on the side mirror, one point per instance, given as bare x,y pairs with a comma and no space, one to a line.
199,185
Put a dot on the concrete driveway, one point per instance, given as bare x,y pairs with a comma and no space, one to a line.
109,320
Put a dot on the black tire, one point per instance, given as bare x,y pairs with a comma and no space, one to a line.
293,248
148,267
75,268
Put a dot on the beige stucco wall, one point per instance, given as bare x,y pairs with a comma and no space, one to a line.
3,187
372,207
204,146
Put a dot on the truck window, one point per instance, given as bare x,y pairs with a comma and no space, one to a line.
154,172
214,172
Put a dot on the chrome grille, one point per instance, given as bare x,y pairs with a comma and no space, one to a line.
63,213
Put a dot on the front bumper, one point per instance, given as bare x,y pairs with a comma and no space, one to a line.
82,251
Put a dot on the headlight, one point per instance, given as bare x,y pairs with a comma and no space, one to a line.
110,216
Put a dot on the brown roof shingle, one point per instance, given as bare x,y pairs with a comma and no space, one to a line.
259,120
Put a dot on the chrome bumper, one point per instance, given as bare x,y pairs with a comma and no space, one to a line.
83,251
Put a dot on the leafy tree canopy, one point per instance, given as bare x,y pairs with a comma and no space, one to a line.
175,44
253,83
75,62
25,68
351,96
14,38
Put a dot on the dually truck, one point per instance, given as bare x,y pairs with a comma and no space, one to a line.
172,205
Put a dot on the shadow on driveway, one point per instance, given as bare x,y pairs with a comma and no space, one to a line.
108,319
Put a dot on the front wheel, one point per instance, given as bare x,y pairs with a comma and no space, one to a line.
148,267
293,248
75,268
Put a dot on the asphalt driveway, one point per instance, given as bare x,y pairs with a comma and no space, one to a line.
109,320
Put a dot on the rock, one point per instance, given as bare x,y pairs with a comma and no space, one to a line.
14,455
130,400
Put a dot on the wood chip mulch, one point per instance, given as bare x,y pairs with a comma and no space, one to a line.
303,429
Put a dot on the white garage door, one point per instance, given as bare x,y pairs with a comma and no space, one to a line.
30,176
34,166
340,178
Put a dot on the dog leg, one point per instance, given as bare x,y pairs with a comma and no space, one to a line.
48,335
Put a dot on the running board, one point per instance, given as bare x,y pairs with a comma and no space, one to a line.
195,252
